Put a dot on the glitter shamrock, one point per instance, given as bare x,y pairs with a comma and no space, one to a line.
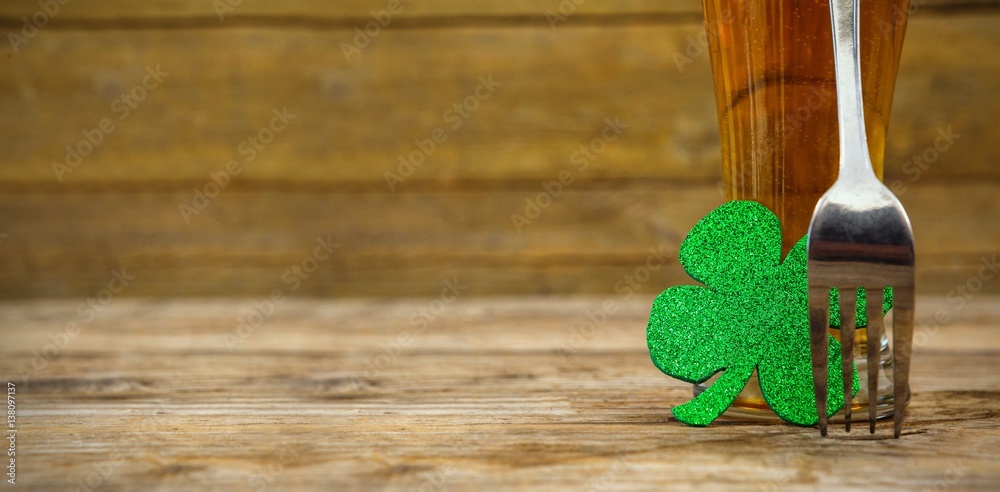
751,313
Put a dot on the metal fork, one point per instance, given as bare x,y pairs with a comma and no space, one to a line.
859,236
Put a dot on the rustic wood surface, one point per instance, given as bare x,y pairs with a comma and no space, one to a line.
369,391
355,118
588,240
324,173
124,11
490,394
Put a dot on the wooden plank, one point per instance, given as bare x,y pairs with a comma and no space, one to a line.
587,241
356,119
148,397
411,238
922,125
237,10
470,324
353,10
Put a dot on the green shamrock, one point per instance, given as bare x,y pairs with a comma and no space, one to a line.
751,313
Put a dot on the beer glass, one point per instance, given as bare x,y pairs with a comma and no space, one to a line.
775,91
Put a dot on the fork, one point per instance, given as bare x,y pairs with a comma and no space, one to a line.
859,236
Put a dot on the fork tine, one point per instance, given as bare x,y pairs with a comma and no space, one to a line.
873,301
902,343
848,308
819,326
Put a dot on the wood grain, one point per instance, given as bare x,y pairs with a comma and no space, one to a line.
324,174
356,119
125,12
492,395
589,240
436,11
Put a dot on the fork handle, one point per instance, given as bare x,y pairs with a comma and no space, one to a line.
855,164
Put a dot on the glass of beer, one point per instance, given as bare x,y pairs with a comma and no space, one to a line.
775,91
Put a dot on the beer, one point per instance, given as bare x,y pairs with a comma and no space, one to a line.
775,89
772,62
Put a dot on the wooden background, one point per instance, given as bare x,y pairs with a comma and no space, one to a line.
413,393
324,174
496,394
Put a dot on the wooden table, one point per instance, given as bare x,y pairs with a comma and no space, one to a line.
424,394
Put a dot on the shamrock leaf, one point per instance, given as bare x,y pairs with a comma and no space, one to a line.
752,313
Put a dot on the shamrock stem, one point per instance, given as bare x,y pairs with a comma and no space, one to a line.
706,407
